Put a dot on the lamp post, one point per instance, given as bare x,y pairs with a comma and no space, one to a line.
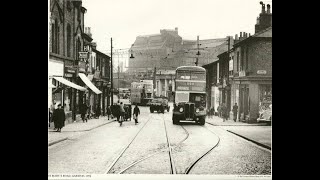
111,75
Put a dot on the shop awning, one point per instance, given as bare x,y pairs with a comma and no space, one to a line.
85,79
70,84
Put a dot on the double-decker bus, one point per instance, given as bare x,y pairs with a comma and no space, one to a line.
190,95
141,92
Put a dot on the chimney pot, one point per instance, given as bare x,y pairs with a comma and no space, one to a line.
263,10
240,34
236,37
268,8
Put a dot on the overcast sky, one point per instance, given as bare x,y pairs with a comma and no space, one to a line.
124,20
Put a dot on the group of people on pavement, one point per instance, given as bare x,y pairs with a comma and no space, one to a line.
223,111
122,112
118,110
87,113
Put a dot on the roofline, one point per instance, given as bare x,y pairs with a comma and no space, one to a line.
97,51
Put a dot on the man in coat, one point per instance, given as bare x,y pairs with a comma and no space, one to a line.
235,112
59,118
136,112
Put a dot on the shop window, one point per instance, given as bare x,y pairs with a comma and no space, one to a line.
265,96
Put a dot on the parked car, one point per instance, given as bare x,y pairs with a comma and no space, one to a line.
265,115
159,104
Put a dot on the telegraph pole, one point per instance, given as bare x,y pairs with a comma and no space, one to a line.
111,79
198,53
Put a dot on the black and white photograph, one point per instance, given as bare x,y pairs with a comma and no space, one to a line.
159,89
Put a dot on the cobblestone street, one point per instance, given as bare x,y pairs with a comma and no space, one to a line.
92,147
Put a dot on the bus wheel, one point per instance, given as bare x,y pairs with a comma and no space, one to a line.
175,120
201,121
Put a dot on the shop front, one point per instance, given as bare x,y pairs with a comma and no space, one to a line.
69,74
93,99
56,94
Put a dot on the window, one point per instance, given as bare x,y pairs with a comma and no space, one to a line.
69,6
56,48
68,40
247,58
238,61
78,48
98,64
242,60
53,39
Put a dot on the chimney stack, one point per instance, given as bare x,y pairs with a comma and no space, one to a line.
236,37
240,35
264,20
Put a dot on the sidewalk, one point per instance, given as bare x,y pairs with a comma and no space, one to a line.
215,120
258,133
73,129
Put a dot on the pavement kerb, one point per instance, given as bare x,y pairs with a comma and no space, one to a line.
62,139
93,127
248,139
259,144
55,142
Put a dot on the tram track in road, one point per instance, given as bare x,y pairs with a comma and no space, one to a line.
125,148
206,153
169,149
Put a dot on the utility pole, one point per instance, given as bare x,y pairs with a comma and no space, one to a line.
154,80
198,53
118,78
111,79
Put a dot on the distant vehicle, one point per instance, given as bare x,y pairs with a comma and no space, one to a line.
159,104
265,115
141,93
124,93
190,95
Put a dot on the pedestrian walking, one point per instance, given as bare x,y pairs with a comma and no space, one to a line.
136,112
116,111
235,112
122,111
59,118
224,112
83,111
98,111
219,110
108,112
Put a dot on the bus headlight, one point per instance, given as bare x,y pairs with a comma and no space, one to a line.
197,110
181,109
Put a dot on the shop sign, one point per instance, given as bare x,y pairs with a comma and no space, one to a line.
261,72
82,67
242,73
70,69
68,75
83,55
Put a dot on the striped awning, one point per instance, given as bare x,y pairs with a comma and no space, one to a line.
86,80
